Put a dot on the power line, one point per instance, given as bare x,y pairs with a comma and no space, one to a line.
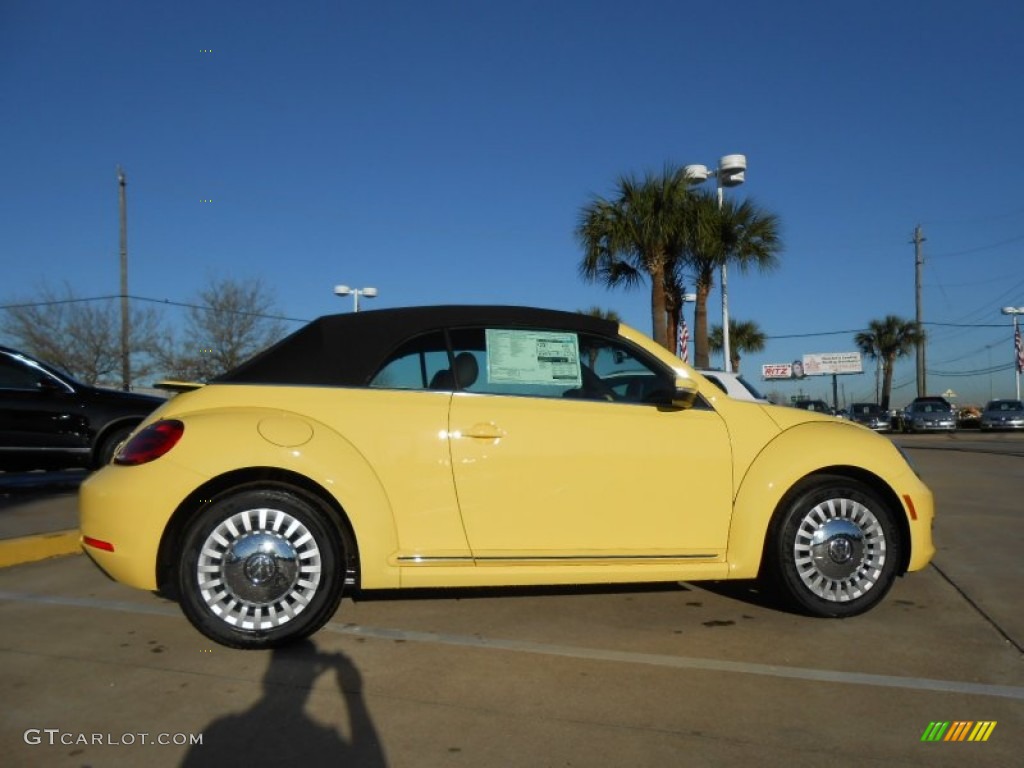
147,299
967,325
54,302
819,333
976,371
979,248
203,307
213,309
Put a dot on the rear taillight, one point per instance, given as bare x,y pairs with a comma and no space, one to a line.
151,443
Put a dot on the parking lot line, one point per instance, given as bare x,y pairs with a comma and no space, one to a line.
589,654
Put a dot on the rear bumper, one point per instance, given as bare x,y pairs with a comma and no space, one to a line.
125,511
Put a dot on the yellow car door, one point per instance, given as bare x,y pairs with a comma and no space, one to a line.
575,474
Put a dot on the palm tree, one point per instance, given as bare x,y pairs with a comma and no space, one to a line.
639,235
736,234
744,336
604,314
888,340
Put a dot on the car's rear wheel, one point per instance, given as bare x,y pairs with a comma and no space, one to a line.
260,568
836,548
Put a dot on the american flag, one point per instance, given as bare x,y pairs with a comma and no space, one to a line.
684,341
1018,349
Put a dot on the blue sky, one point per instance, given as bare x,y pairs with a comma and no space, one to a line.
442,151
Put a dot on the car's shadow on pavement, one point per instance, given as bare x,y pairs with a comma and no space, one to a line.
748,591
479,593
276,730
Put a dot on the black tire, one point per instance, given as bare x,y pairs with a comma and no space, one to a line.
835,549
260,568
108,446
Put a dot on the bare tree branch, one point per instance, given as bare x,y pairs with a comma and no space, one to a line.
229,325
80,336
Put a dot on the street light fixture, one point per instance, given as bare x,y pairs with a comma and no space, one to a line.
731,172
344,290
1018,352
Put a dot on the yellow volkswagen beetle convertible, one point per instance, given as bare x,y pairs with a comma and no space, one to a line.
488,446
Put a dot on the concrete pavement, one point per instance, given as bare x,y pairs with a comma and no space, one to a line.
35,527
644,675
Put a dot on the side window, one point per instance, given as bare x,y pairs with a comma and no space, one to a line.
420,363
518,361
557,364
626,373
13,375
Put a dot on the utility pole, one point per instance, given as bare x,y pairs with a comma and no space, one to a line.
922,383
126,375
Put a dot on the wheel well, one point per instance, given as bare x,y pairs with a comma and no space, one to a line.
109,429
263,477
878,486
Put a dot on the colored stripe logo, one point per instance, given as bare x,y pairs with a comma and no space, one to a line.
959,730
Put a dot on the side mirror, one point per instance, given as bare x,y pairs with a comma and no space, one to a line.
684,393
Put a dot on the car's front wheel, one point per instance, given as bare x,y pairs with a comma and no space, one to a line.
835,549
260,568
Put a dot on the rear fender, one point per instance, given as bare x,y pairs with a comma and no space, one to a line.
304,447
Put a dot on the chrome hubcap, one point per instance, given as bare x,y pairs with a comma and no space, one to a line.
259,569
839,550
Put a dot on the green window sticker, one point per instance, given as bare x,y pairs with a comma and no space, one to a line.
550,358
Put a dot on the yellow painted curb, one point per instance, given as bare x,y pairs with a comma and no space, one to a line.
28,549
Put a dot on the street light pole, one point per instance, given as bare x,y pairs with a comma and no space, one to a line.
126,367
922,384
344,290
1018,353
731,172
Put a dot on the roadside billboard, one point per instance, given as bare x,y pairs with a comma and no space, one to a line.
816,364
830,363
777,371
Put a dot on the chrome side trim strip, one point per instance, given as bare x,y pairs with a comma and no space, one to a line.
547,559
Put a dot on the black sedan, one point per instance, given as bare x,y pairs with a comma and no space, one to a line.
48,420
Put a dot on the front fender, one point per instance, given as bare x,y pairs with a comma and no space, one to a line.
837,448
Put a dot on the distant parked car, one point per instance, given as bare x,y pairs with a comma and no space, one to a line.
936,400
818,406
929,415
734,385
1003,414
870,415
49,420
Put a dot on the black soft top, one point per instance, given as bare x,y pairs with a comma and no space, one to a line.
348,349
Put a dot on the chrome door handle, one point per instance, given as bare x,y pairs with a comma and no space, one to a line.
484,431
